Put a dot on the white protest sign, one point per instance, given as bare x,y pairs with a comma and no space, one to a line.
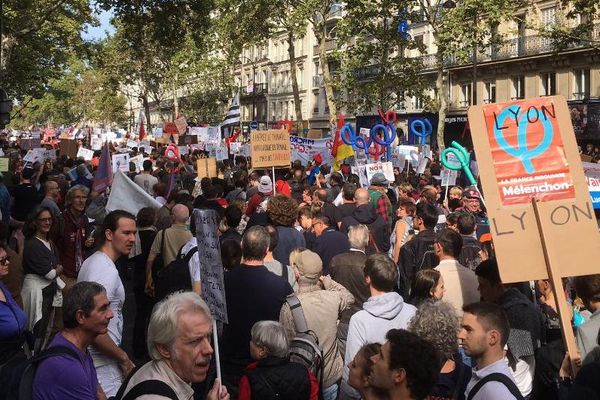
132,143
34,156
120,162
386,168
448,177
365,132
361,171
86,154
96,143
138,161
245,150
73,174
426,151
211,267
234,147
411,153
157,132
422,165
398,161
305,150
221,153
452,161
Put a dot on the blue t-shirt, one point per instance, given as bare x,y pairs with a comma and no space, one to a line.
12,318
64,378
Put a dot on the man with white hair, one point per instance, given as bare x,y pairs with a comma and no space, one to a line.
179,344
168,242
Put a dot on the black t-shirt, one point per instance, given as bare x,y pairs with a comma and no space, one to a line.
27,197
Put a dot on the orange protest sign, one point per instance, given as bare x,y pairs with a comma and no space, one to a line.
528,152
270,149
207,167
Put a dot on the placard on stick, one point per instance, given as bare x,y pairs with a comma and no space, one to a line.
207,168
526,151
270,148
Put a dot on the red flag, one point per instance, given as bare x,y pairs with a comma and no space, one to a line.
142,133
103,177
337,141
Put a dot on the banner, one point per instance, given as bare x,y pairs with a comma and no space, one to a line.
126,195
211,267
527,152
270,149
304,150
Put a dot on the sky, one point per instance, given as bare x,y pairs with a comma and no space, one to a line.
99,32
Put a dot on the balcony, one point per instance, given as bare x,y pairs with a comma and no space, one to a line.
282,89
581,95
329,45
366,73
317,81
258,89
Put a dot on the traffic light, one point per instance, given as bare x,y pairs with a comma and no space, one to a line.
5,109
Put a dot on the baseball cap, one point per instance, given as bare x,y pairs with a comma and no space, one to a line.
379,179
309,264
471,193
265,185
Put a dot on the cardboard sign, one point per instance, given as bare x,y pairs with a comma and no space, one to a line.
386,168
68,147
86,154
4,164
211,268
207,167
514,171
528,152
315,134
270,149
120,162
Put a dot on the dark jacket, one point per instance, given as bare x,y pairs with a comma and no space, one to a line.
379,231
347,269
416,254
230,234
277,378
330,244
525,324
289,239
469,254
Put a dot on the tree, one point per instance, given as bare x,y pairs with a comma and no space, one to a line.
374,69
39,37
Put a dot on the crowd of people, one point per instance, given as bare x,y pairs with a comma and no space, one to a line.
396,283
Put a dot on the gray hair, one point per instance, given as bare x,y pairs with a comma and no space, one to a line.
358,236
271,336
162,328
437,322
80,297
71,193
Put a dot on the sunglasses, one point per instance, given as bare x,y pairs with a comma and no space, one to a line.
4,260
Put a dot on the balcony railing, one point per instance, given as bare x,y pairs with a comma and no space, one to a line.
255,90
281,89
513,48
329,45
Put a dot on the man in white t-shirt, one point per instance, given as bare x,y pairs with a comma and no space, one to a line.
145,180
111,362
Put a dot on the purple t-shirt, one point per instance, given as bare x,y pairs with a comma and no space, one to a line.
64,378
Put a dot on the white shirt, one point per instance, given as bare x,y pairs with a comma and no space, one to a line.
194,264
101,269
146,182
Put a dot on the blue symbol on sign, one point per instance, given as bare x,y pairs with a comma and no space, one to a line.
421,128
386,140
254,125
349,137
521,151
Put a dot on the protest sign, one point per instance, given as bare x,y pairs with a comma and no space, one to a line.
138,161
245,150
120,162
157,132
221,153
86,154
197,130
183,150
214,134
211,268
68,147
96,143
305,150
592,176
536,194
34,156
448,177
315,134
4,163
207,168
385,168
170,129
132,143
422,165
270,149
398,161
234,147
411,153
361,171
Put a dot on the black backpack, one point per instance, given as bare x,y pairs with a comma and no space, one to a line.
21,382
496,377
175,276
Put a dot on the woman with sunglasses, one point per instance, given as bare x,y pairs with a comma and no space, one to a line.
42,288
12,318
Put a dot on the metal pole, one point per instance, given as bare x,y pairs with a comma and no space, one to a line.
253,91
475,49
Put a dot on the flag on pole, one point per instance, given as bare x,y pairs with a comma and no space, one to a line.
340,150
103,177
232,118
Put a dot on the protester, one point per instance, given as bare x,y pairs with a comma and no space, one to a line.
251,280
348,204
282,212
118,237
330,242
12,319
406,366
384,310
379,199
265,190
276,267
51,194
484,331
272,375
403,230
322,300
360,369
588,289
26,196
229,224
470,256
86,315
427,285
437,323
179,344
145,180
365,214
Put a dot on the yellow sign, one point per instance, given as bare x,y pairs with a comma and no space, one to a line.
270,149
4,164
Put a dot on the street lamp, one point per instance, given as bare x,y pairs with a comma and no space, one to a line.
449,4
253,83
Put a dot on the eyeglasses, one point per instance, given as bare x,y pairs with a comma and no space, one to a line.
44,219
4,260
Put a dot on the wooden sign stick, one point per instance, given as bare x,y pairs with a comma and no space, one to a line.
562,306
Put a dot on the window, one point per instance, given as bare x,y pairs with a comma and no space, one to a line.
548,84
518,89
582,84
419,41
548,16
316,103
490,88
465,99
417,103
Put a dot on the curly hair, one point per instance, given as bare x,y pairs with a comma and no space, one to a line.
437,323
282,210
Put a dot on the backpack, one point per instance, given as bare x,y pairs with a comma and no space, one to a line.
151,386
20,386
496,377
175,276
304,347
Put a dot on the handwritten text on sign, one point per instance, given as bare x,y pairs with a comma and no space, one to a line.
528,152
270,149
211,268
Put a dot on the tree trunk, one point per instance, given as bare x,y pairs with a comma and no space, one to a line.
175,101
295,90
146,106
327,81
442,100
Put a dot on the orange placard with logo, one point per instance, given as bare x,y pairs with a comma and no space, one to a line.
527,151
